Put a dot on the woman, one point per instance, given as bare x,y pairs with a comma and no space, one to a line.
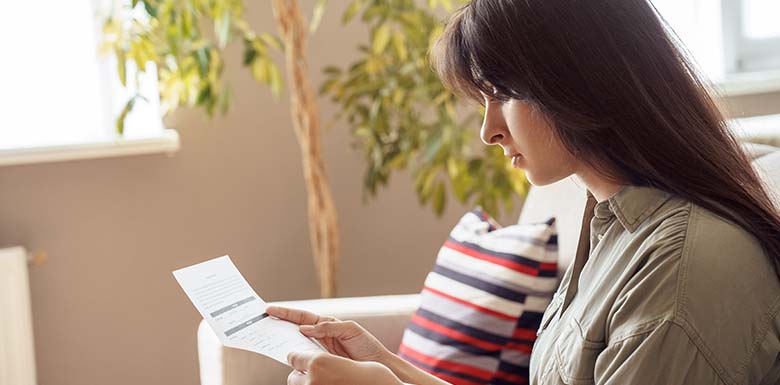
676,275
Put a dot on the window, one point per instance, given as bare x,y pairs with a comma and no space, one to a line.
733,42
59,94
753,35
696,22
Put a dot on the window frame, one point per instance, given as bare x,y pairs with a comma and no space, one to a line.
741,53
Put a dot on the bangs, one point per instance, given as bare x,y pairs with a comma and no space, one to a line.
460,58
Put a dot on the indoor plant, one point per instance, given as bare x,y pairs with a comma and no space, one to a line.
398,111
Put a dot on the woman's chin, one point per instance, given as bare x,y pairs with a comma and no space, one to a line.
539,180
535,181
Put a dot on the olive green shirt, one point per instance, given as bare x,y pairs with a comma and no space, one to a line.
661,291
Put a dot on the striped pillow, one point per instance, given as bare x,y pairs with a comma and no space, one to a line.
483,301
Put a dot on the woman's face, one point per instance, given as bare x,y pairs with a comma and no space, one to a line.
527,139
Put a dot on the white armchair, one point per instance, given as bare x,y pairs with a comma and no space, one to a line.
384,316
387,316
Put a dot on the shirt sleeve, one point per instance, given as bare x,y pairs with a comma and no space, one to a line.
663,355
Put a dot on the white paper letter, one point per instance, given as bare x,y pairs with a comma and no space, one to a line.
236,313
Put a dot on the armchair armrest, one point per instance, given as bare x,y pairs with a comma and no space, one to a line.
385,317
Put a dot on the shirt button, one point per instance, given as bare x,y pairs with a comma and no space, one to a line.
599,236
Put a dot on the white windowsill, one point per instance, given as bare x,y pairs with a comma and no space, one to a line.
749,83
165,143
764,126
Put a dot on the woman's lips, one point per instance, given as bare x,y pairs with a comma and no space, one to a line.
516,160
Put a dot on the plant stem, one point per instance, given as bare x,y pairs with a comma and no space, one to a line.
323,221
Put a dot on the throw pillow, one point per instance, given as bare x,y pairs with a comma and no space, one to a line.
483,301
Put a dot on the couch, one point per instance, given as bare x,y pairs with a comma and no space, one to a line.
387,316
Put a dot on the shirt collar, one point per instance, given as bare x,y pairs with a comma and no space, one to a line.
631,205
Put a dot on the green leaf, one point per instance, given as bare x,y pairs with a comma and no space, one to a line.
428,183
377,10
439,199
120,120
518,181
150,9
432,149
202,57
222,28
319,10
399,43
381,38
475,165
453,168
121,63
224,103
461,187
271,40
250,54
204,96
351,11
260,70
275,79
332,70
434,34
328,86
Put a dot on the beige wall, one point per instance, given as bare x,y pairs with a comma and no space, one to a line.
106,308
750,105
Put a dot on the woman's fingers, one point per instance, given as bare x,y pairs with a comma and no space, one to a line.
334,329
302,360
296,378
300,317
327,369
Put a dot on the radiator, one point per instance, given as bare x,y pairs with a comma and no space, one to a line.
17,357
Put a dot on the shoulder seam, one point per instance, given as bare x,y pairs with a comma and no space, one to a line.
679,300
772,314
696,341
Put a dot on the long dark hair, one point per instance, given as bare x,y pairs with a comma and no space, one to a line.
619,94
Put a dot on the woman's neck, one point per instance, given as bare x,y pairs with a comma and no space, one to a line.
601,188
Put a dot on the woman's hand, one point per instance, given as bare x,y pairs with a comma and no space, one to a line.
343,338
315,368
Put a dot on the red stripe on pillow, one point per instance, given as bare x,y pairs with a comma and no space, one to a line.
519,347
455,380
446,365
512,377
524,334
450,379
443,330
471,305
491,258
548,266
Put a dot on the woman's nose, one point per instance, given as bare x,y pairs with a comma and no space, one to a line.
493,126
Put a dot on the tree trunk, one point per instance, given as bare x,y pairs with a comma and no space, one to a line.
323,221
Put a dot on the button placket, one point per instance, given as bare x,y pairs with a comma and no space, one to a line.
550,313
